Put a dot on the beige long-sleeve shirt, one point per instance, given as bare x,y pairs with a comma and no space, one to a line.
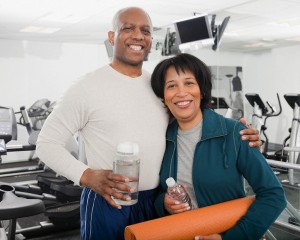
107,108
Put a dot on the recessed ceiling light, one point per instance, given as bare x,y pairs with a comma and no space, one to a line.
64,17
36,29
49,30
297,39
31,29
259,45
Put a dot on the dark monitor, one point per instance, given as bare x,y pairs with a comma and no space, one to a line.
255,98
217,103
195,29
219,33
8,124
292,99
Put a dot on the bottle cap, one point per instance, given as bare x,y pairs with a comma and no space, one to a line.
170,182
128,148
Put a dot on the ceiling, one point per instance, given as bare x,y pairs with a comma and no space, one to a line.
254,24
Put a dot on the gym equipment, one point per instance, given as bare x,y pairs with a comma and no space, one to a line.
61,205
218,103
235,94
282,159
8,132
201,221
260,111
293,156
290,209
294,144
8,127
13,207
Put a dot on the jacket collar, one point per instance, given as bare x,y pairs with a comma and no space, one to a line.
213,126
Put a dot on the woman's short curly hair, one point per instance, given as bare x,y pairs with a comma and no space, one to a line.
183,62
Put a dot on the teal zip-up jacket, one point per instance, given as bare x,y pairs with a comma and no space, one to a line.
221,160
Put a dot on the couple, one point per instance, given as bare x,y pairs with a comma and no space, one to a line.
116,103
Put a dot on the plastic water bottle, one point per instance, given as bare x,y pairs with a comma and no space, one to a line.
177,192
127,163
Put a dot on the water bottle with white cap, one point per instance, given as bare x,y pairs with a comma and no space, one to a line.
127,163
177,192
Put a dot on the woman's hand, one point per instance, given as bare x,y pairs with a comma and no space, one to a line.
209,237
173,206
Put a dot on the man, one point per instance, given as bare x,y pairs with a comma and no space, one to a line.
111,105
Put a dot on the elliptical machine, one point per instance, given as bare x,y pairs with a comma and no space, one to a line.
259,119
293,148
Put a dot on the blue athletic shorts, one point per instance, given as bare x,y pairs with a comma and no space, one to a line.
100,221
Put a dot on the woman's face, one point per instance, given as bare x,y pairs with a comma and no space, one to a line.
183,97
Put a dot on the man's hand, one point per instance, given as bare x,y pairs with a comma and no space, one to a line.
105,183
251,134
173,206
210,237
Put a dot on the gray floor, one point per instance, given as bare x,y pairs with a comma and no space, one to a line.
293,197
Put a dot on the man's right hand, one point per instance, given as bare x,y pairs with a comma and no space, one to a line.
104,183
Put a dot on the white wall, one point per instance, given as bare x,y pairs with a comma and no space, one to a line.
271,72
33,70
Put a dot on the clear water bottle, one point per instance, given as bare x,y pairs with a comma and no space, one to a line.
127,163
177,192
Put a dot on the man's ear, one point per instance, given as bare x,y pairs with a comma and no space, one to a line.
111,36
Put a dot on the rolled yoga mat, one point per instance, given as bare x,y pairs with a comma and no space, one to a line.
216,218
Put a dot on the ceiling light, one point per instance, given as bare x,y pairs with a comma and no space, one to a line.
279,24
31,29
36,29
64,17
49,30
259,45
297,39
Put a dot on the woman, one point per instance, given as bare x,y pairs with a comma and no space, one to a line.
204,152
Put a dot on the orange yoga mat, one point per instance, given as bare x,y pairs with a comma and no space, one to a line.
217,218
